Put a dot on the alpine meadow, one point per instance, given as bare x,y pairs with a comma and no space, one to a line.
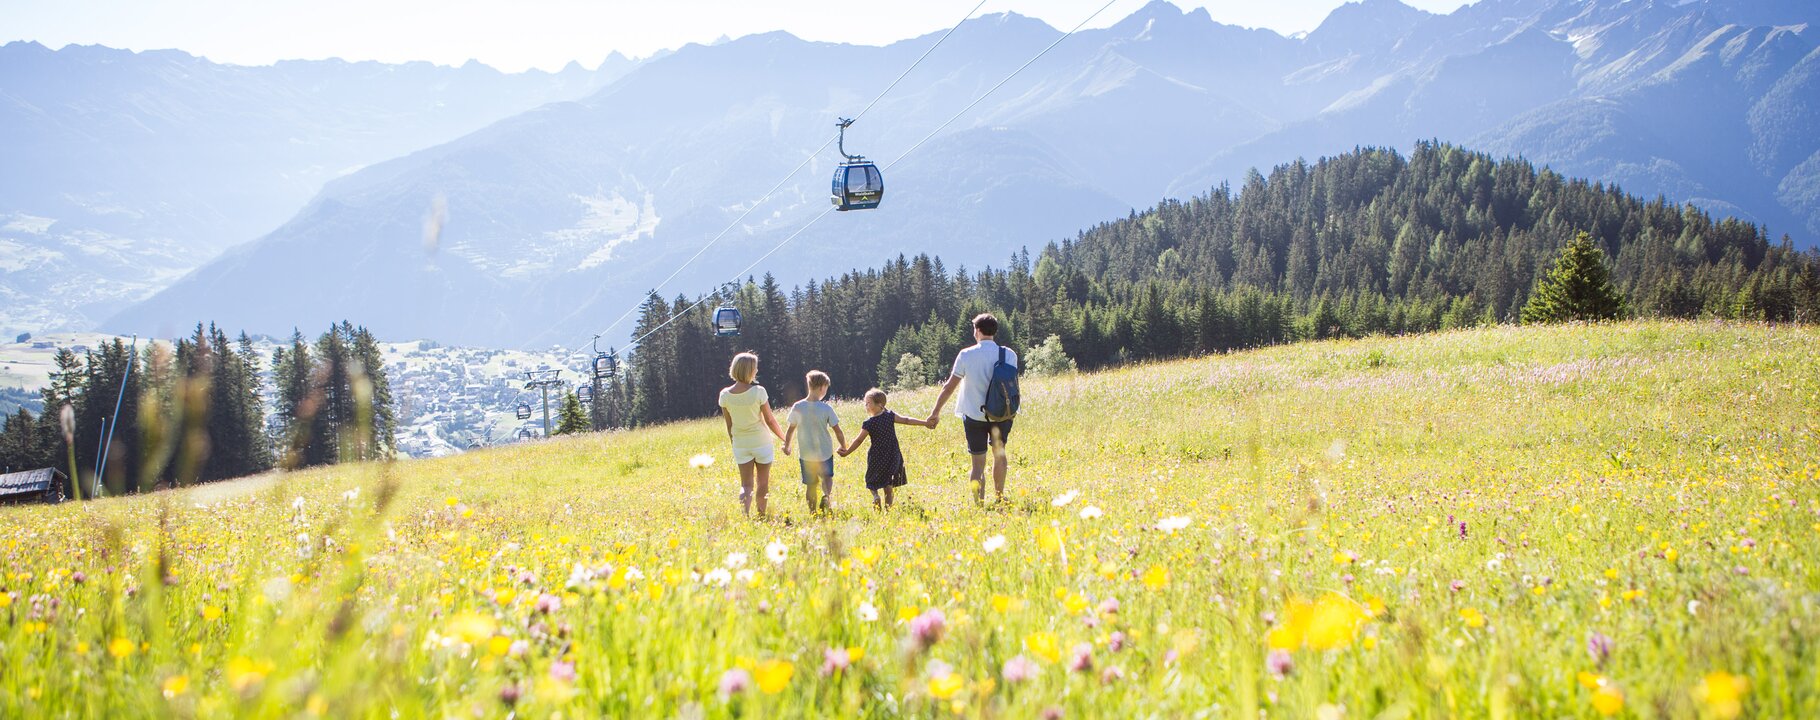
984,360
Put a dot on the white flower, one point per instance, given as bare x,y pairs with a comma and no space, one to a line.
351,494
994,543
1693,607
776,552
718,577
1091,512
1173,523
745,576
867,613
701,461
1065,498
578,575
633,575
736,560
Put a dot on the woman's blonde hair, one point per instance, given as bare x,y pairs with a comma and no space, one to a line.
744,368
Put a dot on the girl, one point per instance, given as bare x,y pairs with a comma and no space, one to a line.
885,461
747,409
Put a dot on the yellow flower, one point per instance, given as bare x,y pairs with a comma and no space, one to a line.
907,613
243,673
499,645
1006,603
1049,539
867,556
1340,558
176,685
6,599
1156,578
1722,693
1044,645
471,628
1074,604
946,686
855,652
773,675
211,613
1287,634
1473,618
451,501
1608,700
1184,641
1590,681
121,647
656,591
1336,621
1670,554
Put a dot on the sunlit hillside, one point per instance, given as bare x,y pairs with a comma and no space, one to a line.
1507,522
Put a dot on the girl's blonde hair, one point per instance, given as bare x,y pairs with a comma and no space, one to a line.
876,395
744,368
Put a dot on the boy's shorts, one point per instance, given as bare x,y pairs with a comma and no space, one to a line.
979,432
826,467
761,454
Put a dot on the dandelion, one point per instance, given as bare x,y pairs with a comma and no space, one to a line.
1019,669
1335,622
1156,578
1608,700
1049,539
773,675
734,682
994,543
702,461
1473,618
1044,645
1091,512
1722,693
211,613
1065,498
176,685
866,612
243,674
121,647
1173,524
776,552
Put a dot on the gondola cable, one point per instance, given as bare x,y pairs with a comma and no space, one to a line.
780,245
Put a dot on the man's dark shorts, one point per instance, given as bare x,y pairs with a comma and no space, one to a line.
980,431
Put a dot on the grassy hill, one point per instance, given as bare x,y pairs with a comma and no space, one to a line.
1511,522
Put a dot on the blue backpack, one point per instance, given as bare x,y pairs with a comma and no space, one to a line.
1001,390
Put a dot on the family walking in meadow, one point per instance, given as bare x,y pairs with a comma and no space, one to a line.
985,376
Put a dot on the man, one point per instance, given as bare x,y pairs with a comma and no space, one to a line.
972,373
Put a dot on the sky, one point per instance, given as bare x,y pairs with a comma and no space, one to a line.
517,34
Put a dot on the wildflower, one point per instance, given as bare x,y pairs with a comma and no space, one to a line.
1330,711
1335,622
1473,618
701,461
1005,603
1172,524
944,683
562,671
1052,713
1109,606
734,682
243,674
1081,659
866,612
1117,641
927,628
547,603
211,613
1156,578
735,560
1279,663
6,599
1019,669
718,577
1049,539
1599,647
1722,693
776,552
499,645
868,556
176,685
1045,645
835,660
994,543
773,675
510,694
471,628
1074,603
1111,675
1065,498
1091,512
1457,585
1608,700
121,647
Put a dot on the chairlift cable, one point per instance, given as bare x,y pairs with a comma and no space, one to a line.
799,167
780,245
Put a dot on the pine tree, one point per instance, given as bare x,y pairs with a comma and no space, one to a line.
1579,287
571,420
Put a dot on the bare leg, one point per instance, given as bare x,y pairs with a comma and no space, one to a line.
745,487
811,489
1000,461
876,501
763,485
889,498
979,478
827,505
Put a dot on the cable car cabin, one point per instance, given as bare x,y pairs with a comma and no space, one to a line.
584,394
524,411
857,186
726,321
606,366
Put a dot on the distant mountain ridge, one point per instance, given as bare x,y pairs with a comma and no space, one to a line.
125,170
560,218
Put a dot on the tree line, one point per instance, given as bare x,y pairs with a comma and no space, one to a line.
1368,242
195,410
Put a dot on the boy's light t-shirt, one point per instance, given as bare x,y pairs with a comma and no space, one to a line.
812,419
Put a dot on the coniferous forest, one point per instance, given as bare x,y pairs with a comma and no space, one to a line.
1369,242
194,410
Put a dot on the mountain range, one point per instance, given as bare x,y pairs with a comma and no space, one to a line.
560,217
125,170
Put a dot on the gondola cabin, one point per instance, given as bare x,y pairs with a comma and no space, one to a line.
584,394
524,411
726,321
857,186
606,366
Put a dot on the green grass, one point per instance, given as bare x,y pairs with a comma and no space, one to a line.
1654,483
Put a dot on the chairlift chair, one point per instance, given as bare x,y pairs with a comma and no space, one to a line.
726,321
857,182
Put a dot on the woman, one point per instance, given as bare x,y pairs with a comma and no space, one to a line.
747,409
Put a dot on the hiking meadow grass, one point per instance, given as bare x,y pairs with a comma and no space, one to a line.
1512,522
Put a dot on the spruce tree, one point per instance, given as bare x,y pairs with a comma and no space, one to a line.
571,420
1579,287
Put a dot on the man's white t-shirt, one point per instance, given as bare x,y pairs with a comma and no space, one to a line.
974,367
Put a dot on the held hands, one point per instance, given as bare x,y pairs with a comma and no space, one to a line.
933,419
786,448
844,451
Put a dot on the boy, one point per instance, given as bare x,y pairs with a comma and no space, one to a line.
810,420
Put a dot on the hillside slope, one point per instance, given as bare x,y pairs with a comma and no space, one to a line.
1428,526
